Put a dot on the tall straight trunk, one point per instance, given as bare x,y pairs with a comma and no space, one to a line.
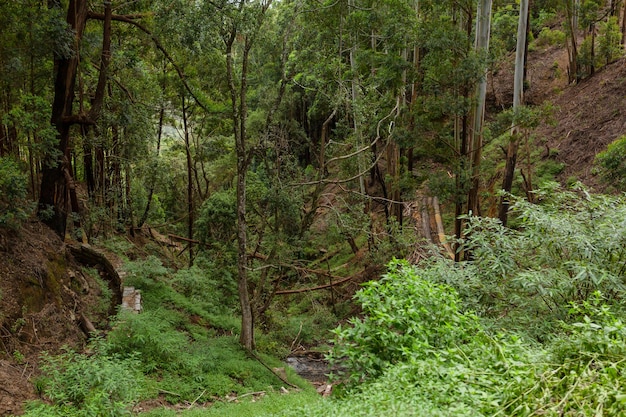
483,29
190,209
54,199
571,11
356,118
518,100
239,109
462,138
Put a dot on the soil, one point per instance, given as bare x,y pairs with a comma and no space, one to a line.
43,293
588,115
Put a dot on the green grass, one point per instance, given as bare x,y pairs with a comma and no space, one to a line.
269,404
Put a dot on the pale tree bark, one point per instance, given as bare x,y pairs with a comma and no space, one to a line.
483,29
571,12
518,100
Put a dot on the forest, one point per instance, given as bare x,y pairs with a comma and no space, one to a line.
312,208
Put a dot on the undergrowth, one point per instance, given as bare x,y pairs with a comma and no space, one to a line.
530,324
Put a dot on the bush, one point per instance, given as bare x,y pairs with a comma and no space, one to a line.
612,164
404,316
150,334
610,47
102,384
14,209
551,37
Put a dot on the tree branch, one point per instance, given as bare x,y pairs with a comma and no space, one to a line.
130,19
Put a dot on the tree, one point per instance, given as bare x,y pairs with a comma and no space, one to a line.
483,27
57,196
243,20
518,100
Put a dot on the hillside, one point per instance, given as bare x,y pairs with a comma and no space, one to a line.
588,115
39,307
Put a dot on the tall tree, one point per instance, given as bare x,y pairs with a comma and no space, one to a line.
518,100
243,20
57,183
483,29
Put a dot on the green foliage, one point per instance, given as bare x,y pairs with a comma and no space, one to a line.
504,28
267,403
101,384
509,279
404,316
578,372
14,208
612,164
151,334
217,220
551,37
610,47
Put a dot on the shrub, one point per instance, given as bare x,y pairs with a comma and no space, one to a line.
610,47
551,37
404,316
102,384
612,164
150,334
14,209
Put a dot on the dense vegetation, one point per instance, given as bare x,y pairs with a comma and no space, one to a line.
274,146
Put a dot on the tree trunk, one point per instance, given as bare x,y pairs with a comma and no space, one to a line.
54,201
239,117
483,29
146,212
571,11
518,100
190,210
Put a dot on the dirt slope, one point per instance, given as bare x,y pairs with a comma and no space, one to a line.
589,115
43,293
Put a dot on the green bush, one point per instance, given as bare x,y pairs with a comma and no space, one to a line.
14,208
610,47
151,334
612,164
404,315
551,37
101,384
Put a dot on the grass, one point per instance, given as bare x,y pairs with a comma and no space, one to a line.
268,404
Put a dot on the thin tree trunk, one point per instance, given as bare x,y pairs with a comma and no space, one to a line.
355,107
237,96
518,100
483,29
146,212
190,209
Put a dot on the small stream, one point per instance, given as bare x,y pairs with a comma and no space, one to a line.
310,365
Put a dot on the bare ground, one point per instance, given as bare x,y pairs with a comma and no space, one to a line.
43,292
588,115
